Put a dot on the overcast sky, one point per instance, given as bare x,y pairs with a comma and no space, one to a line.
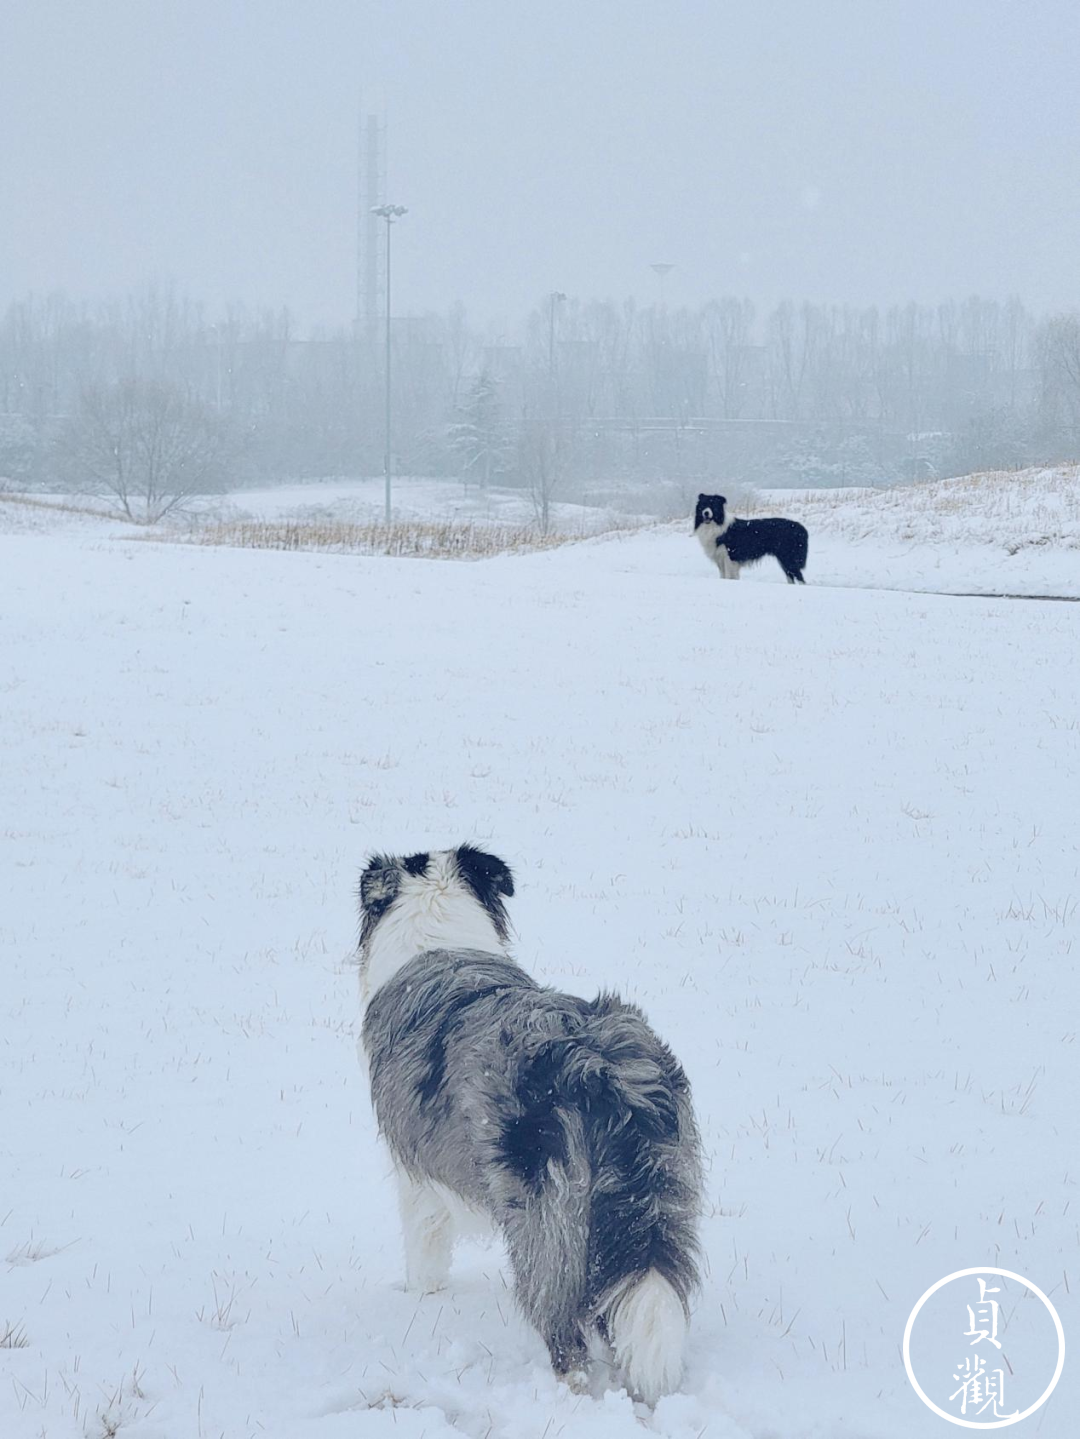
846,150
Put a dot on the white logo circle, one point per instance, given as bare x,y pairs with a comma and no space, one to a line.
1012,1418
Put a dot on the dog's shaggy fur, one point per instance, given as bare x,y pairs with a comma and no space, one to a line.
565,1121
732,543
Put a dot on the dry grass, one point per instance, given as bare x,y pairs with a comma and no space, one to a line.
13,1336
64,507
403,539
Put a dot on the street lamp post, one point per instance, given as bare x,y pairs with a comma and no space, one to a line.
556,297
662,272
389,213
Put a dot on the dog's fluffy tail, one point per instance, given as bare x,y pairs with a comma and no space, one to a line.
607,1123
647,1327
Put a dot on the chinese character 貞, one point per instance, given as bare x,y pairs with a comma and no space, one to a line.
984,1312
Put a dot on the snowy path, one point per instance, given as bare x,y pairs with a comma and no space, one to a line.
826,836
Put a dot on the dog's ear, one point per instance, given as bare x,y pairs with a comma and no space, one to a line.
485,874
379,885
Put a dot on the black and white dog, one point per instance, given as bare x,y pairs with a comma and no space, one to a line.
732,543
564,1121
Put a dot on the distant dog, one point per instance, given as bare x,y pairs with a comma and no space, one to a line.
565,1121
732,543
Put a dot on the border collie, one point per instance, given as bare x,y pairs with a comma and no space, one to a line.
565,1122
732,543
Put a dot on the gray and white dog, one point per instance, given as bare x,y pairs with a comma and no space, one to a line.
565,1121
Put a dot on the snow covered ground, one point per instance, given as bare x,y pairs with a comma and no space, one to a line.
825,836
1000,532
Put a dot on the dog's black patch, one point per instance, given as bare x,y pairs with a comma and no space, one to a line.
416,864
434,1075
489,878
748,541
529,1142
484,871
531,1139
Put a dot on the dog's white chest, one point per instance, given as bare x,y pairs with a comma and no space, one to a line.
708,534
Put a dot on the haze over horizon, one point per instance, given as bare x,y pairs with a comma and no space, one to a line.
827,150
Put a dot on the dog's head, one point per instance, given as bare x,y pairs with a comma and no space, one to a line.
710,510
446,899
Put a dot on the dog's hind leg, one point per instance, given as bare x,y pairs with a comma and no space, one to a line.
546,1235
569,1355
428,1231
548,1282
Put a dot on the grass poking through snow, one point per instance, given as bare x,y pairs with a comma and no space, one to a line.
403,539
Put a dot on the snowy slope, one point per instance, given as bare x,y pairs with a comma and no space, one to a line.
995,532
827,838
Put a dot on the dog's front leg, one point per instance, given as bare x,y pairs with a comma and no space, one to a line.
427,1229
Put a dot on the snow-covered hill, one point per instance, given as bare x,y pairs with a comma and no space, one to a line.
827,837
1002,531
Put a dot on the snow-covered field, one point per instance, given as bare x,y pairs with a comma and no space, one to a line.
994,533
416,498
826,836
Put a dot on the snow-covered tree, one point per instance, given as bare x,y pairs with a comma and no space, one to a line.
478,435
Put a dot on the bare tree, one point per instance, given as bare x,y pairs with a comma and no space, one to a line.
150,445
542,465
1058,350
17,446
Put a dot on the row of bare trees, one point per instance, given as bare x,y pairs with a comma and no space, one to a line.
151,399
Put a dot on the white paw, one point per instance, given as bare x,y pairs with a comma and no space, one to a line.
425,1284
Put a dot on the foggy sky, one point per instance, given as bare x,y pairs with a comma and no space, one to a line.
845,150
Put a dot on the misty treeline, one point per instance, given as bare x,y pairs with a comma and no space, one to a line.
149,398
